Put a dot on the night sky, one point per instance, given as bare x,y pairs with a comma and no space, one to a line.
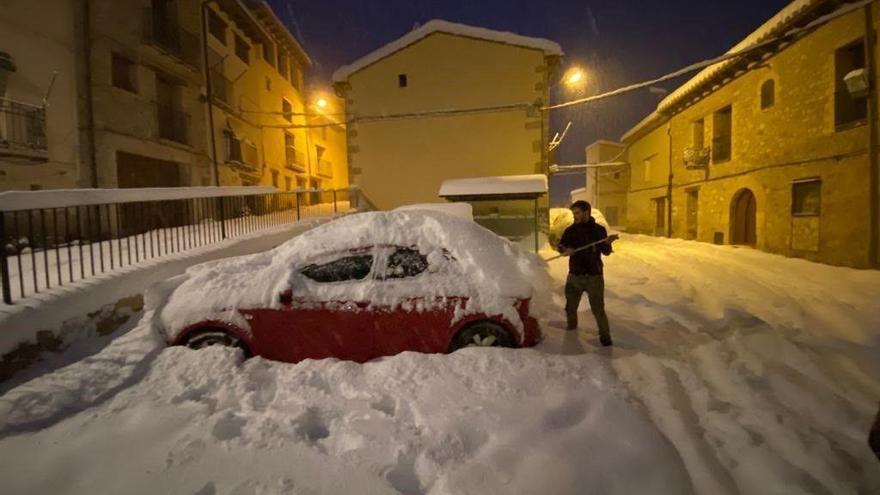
616,42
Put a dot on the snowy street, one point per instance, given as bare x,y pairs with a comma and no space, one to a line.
733,371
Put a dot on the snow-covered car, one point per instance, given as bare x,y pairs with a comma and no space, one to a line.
362,286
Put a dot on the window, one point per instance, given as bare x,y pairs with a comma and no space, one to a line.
355,267
405,262
282,64
287,110
287,183
768,94
123,73
806,197
697,134
269,54
721,134
242,50
232,146
275,178
849,110
646,169
216,26
401,81
295,76
319,152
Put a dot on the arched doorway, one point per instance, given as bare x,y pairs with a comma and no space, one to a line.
742,218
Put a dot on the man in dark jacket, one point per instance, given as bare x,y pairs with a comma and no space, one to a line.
585,268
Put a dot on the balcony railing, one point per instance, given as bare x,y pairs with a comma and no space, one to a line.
221,87
169,37
294,158
173,124
23,131
325,168
696,157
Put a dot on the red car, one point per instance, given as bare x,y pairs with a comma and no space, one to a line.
323,314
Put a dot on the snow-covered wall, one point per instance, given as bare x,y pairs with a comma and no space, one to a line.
19,323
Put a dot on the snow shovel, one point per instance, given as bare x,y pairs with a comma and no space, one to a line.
610,238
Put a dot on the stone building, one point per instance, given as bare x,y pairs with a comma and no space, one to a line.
442,66
38,95
770,149
129,106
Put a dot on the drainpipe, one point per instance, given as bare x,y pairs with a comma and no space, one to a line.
209,90
90,100
669,184
874,196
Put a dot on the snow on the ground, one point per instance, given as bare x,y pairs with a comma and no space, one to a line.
733,371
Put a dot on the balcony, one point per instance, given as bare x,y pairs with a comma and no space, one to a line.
325,168
23,131
173,124
696,157
170,38
294,159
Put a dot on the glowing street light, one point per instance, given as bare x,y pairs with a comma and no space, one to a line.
322,103
574,77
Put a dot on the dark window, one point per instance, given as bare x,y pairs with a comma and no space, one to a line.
616,175
768,94
806,197
355,267
242,50
287,183
401,81
216,26
697,136
282,64
232,146
287,110
721,134
295,76
849,109
123,73
406,262
275,178
269,54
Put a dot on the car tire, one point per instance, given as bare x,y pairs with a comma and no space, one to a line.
207,337
482,334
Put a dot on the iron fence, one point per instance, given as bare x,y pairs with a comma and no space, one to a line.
58,245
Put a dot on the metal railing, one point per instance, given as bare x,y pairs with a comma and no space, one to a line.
61,243
221,87
23,130
173,124
696,157
170,37
325,168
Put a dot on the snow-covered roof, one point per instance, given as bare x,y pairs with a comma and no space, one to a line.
461,210
772,27
486,186
440,26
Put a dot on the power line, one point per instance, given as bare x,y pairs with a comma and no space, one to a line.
615,92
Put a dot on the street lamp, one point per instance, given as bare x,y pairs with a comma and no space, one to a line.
574,77
321,103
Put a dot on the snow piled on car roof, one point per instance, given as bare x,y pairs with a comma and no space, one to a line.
487,269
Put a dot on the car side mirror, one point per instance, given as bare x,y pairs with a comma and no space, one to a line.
286,297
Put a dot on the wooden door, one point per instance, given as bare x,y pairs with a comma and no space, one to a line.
743,219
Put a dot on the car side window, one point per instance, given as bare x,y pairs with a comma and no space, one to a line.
405,262
354,267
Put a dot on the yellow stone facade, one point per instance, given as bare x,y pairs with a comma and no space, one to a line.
258,70
775,149
402,161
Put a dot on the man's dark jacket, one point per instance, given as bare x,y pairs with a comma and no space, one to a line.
588,261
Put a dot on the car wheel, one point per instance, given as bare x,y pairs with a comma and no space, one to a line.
214,336
482,334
